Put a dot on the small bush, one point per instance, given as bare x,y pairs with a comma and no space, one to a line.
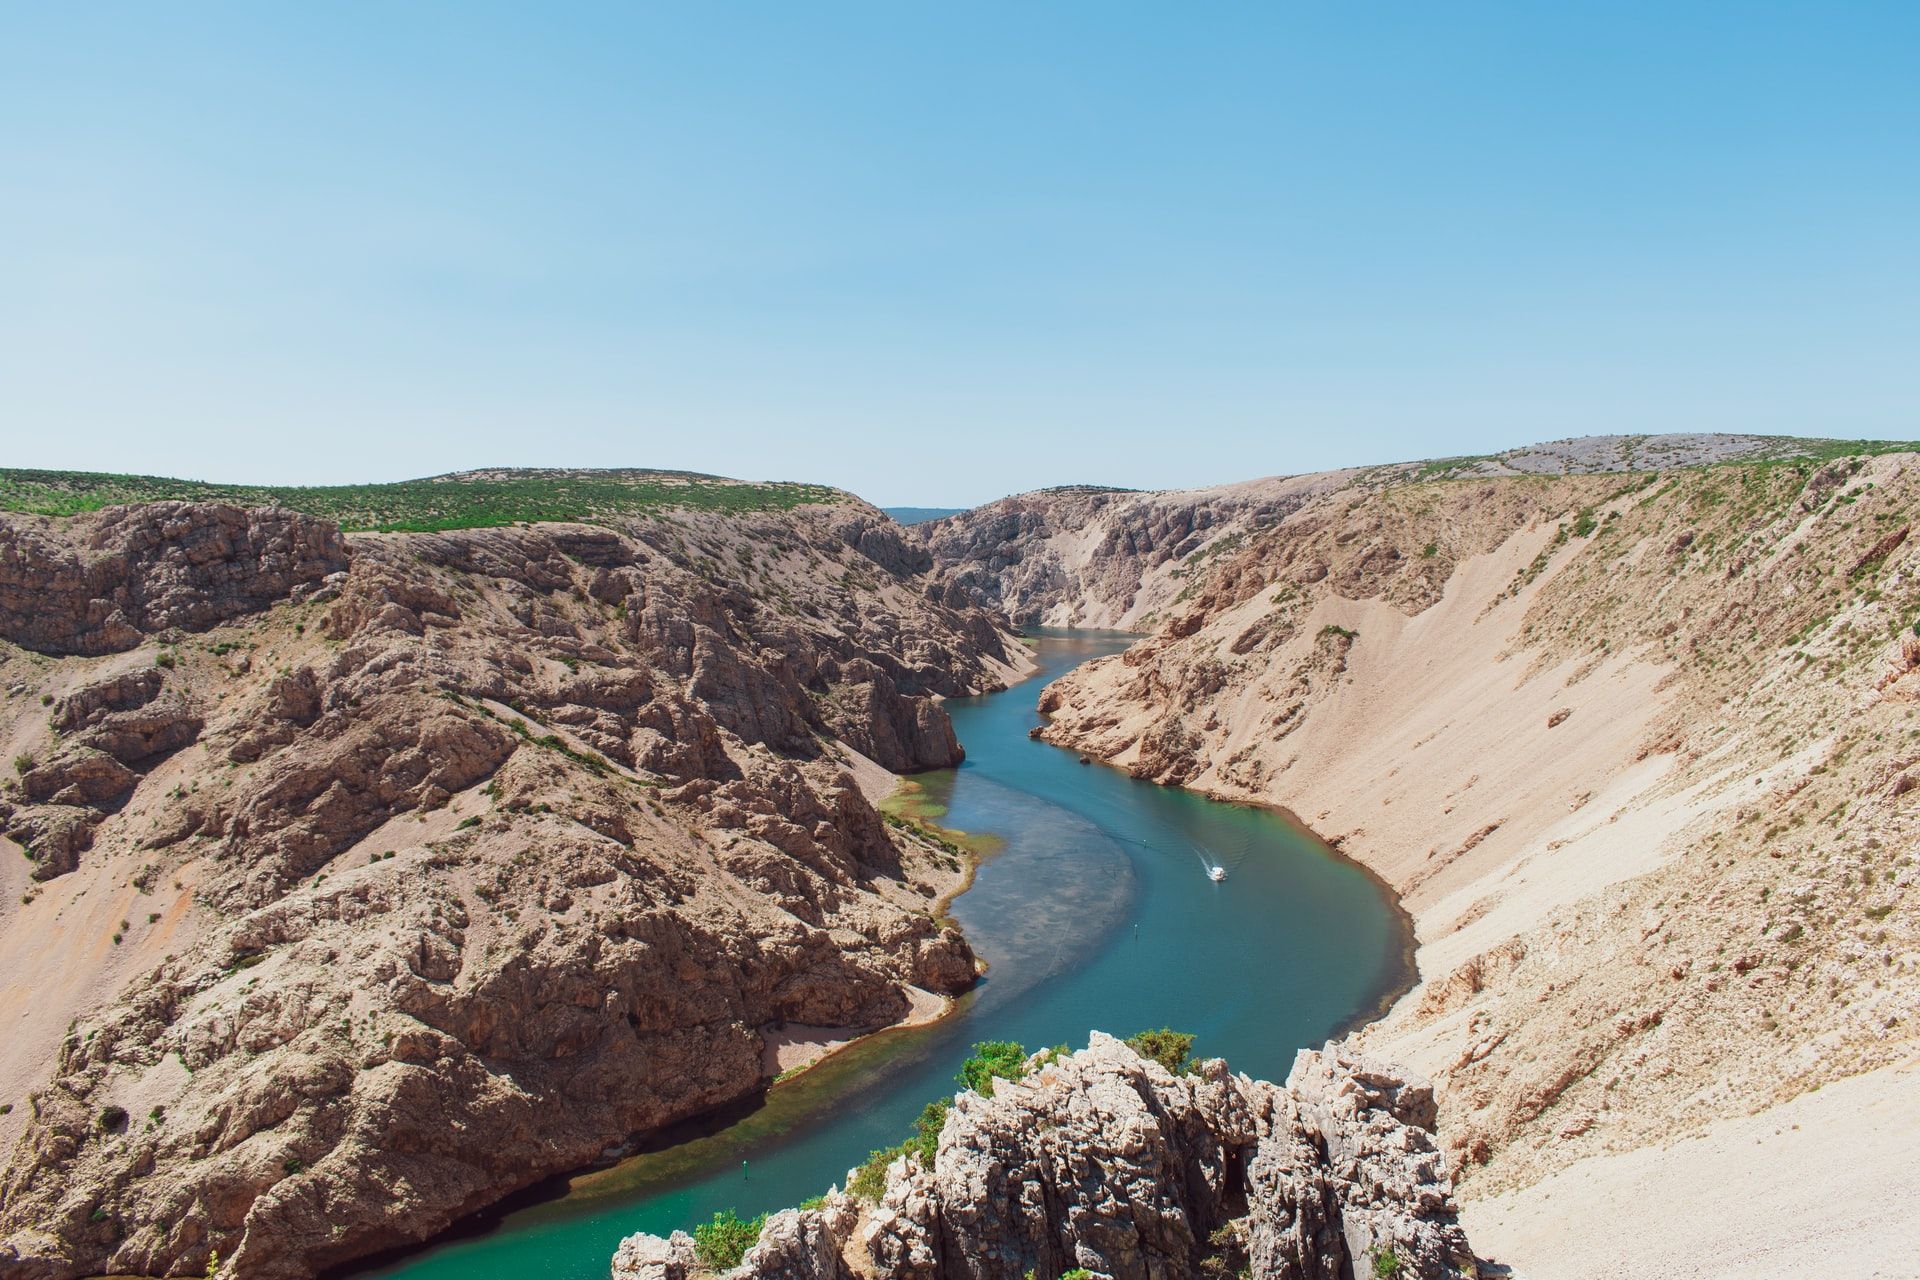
23,762
1386,1265
869,1181
1171,1049
993,1060
926,1131
164,659
813,1202
293,1165
468,823
721,1243
113,1119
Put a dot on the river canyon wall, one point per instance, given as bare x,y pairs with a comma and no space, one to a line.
354,881
1636,744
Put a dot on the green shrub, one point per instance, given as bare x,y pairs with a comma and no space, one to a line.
721,1243
1078,1273
113,1119
23,762
1386,1265
164,659
991,1060
869,1181
1171,1049
926,1130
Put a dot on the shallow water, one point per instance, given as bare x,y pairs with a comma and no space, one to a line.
1096,913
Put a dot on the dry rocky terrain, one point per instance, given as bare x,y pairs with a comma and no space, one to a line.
1106,1160
1639,750
354,881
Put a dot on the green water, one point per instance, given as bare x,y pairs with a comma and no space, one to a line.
1098,913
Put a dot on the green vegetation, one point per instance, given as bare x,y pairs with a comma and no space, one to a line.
1386,1265
990,1060
23,762
1171,1049
471,500
1078,1273
721,1243
1330,630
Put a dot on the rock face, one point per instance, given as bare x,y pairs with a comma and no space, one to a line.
1098,557
463,857
1107,1161
101,583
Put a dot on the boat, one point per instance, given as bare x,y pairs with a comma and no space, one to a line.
1216,873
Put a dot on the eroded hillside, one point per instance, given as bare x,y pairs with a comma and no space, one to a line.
353,882
1639,750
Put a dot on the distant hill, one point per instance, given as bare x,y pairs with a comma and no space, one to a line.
920,515
463,500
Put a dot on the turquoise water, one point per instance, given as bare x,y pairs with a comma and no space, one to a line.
1097,913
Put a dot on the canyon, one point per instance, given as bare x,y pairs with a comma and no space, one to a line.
358,879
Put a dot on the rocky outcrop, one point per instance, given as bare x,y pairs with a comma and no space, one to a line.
1107,1161
102,582
496,850
109,734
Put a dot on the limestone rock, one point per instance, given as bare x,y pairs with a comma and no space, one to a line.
1106,1160
101,582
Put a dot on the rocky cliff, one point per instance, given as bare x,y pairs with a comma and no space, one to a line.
1099,558
355,882
1638,751
1116,558
1107,1161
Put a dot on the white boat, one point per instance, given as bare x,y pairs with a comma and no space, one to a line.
1216,873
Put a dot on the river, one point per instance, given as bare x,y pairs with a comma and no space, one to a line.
1096,912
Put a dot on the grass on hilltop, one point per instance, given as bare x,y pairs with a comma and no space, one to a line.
468,501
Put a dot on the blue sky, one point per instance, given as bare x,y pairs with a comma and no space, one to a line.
937,254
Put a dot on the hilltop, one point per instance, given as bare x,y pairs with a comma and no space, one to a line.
459,500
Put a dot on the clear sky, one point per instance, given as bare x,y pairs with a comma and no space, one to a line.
939,253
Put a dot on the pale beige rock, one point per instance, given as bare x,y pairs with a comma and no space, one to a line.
1105,1160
